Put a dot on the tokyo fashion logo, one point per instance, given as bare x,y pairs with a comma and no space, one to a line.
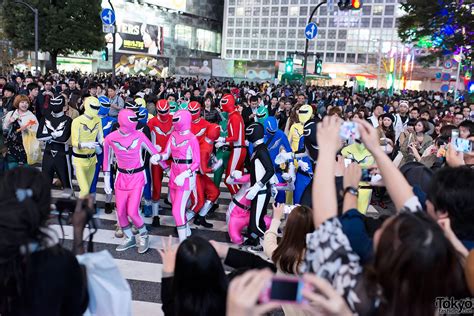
450,305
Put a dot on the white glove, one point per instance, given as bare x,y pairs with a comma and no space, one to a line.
220,144
217,165
283,157
89,145
247,143
56,134
236,174
286,176
107,187
158,147
253,191
155,159
220,140
98,150
303,165
180,178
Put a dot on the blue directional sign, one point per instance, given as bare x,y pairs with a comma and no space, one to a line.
311,31
107,16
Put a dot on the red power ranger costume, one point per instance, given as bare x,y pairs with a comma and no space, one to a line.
161,127
199,125
235,138
206,192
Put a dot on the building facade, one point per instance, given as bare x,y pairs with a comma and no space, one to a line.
274,30
153,34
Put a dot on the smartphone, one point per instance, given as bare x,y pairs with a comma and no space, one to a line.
463,145
366,175
286,290
349,130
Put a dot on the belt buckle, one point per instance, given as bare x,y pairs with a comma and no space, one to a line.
129,171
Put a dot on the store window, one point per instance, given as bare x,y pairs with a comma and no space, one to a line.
183,35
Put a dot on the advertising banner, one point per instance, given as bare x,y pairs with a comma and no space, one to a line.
193,67
137,64
223,68
254,70
139,37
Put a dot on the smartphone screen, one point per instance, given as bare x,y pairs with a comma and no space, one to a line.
286,290
366,175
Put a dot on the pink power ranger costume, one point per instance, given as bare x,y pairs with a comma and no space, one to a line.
183,147
238,213
126,144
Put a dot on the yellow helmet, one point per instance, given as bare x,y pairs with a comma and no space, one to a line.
91,106
305,113
140,102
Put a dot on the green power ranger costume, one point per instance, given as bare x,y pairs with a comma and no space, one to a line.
222,152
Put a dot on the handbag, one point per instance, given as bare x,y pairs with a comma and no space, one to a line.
109,292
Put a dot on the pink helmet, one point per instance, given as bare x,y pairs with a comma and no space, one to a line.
182,121
127,120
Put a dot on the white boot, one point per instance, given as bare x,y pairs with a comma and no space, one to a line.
182,233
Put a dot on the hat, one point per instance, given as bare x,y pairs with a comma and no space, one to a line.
390,116
9,87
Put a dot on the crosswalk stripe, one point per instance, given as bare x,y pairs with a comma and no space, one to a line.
140,308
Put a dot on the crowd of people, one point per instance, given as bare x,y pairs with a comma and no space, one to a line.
322,155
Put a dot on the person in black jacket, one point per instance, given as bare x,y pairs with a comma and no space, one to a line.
249,112
38,276
261,172
55,129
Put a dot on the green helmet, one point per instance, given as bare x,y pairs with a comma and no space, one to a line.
262,114
173,107
183,106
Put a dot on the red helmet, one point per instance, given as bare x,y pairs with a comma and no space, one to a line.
228,103
195,109
213,132
162,107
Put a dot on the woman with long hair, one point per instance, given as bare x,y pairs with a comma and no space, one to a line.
289,253
210,113
193,279
418,141
37,276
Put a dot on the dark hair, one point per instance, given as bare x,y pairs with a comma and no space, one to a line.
426,126
253,99
451,191
415,263
25,198
31,86
468,125
290,251
152,30
415,109
199,283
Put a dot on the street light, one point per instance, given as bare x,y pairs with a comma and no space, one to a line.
35,11
307,40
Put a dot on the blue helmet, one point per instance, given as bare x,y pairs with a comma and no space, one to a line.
142,115
271,125
104,106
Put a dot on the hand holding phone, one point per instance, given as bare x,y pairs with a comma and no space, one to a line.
349,130
284,290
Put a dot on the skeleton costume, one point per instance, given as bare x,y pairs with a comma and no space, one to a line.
55,130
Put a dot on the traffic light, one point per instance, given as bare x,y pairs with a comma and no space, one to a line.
349,4
289,65
105,54
318,66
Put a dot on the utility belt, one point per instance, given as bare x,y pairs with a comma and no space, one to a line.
240,205
240,146
131,171
304,173
225,148
54,153
183,161
84,156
